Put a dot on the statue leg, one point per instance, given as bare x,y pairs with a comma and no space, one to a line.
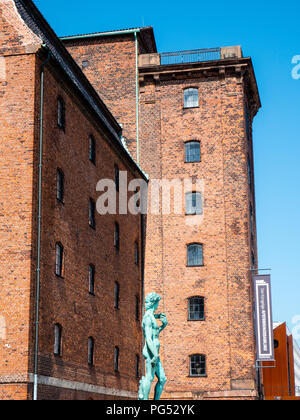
160,373
148,379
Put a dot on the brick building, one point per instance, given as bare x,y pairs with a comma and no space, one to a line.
188,115
281,377
184,116
65,268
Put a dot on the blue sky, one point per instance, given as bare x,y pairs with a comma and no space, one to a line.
269,32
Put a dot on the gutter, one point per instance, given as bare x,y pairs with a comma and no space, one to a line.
39,226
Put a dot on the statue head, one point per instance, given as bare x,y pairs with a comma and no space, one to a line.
152,300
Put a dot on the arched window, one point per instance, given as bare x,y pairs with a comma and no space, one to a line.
59,251
57,340
117,236
194,255
193,203
60,185
92,213
91,279
117,295
116,359
191,98
91,345
192,151
92,150
61,113
196,308
197,365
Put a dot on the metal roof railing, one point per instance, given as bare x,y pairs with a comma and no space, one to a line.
190,56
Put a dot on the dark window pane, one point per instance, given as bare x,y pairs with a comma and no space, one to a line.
117,295
136,253
117,236
192,151
61,119
116,359
197,365
117,178
195,255
60,185
191,98
137,366
196,308
91,279
137,308
193,203
92,150
90,351
57,339
92,211
59,259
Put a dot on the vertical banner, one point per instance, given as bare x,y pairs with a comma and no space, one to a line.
263,318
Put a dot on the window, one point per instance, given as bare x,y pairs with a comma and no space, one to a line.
137,366
60,185
61,113
198,365
117,236
92,150
136,253
59,259
117,295
57,340
196,308
91,345
193,203
253,260
191,98
195,255
116,359
92,211
91,279
192,151
137,308
117,178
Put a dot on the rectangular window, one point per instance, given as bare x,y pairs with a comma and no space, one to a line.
195,255
60,185
57,339
59,260
92,150
92,212
193,202
197,365
91,279
191,98
61,113
192,151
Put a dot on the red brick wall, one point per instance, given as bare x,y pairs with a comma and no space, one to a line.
226,336
66,300
17,148
111,70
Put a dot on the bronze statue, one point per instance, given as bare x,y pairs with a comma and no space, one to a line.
151,349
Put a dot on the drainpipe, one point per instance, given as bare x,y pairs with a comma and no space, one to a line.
39,224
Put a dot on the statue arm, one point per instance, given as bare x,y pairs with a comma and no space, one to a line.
164,321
